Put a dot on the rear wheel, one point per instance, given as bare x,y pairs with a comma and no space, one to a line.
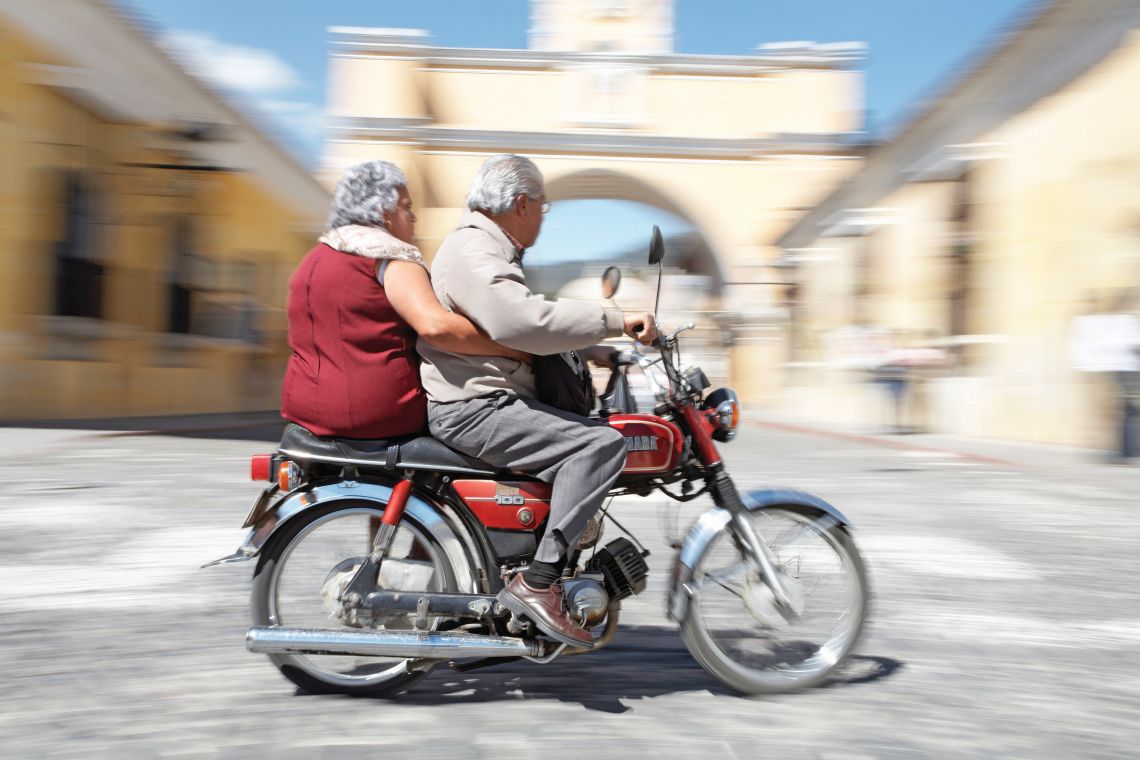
302,571
736,631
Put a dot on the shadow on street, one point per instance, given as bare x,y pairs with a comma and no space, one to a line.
643,662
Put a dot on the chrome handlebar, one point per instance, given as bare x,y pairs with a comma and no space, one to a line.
664,344
687,326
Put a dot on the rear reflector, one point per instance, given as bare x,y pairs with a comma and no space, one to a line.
288,476
259,467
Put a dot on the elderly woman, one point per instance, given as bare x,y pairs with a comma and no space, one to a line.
356,304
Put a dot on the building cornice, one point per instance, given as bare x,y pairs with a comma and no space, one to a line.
1057,42
421,133
415,43
110,65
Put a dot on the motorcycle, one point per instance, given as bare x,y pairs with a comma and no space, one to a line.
378,561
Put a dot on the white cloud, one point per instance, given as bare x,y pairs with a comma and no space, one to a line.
253,75
304,121
246,70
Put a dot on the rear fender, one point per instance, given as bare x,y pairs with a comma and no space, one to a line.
453,536
709,525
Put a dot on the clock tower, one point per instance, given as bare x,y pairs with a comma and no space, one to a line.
602,26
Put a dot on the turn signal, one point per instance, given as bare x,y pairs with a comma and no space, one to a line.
728,414
724,413
288,476
259,467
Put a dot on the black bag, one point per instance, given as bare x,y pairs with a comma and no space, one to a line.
563,381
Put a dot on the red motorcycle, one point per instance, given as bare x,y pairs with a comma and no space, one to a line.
377,561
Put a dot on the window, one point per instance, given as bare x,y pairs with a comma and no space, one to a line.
78,266
183,272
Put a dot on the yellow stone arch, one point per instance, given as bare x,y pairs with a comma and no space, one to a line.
609,184
737,146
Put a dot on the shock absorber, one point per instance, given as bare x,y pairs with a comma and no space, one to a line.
368,575
727,498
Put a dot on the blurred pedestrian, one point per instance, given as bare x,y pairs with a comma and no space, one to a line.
873,350
1110,343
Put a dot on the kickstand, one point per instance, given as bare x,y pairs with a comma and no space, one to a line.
547,657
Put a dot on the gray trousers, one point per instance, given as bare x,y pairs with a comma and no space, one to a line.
581,458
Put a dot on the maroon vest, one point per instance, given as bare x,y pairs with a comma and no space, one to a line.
354,372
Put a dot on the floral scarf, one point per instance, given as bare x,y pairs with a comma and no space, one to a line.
371,243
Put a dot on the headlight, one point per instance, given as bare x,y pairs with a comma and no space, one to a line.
726,405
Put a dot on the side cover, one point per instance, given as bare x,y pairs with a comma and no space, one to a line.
512,511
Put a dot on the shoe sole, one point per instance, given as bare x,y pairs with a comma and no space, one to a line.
519,607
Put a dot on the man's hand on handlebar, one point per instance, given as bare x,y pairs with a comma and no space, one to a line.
641,328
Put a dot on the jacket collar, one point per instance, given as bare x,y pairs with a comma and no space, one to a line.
482,221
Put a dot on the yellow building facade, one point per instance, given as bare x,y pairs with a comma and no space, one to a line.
147,230
737,146
1001,213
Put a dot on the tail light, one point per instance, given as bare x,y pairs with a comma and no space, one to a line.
288,476
260,466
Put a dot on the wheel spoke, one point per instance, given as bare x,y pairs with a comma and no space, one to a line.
775,651
313,571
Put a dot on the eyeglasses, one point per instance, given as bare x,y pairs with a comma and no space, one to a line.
544,206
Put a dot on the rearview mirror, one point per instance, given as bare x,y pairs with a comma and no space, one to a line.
656,247
611,279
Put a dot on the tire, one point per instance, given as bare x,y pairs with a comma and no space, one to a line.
750,655
309,543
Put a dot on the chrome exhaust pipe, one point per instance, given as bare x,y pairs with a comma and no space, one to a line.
435,645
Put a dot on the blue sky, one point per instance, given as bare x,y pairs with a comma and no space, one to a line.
271,55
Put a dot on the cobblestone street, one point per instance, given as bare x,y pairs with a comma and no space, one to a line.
1005,620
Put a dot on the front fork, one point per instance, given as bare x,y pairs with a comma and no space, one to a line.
751,544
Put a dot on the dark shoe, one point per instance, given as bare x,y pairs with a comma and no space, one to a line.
544,606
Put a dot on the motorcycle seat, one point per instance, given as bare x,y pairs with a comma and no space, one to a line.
420,452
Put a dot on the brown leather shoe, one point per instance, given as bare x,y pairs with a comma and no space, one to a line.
544,606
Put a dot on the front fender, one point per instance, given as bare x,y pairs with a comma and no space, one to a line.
709,525
424,512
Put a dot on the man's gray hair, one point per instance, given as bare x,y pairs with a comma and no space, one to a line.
500,180
365,192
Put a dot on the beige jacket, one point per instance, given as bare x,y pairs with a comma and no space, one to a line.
478,273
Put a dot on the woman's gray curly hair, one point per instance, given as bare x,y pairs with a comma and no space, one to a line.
500,180
364,193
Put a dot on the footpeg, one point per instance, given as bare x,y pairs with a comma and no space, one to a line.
421,622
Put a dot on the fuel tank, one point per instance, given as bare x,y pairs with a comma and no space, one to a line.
653,445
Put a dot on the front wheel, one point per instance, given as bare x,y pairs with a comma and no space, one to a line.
737,632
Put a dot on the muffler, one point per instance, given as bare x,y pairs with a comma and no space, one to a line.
435,645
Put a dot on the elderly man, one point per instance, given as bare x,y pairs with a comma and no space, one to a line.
485,406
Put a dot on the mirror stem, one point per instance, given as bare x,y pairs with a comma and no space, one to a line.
657,303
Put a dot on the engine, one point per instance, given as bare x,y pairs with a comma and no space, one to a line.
618,570
622,566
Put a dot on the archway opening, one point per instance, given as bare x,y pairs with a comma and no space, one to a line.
602,215
601,218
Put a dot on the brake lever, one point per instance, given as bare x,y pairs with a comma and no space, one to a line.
688,326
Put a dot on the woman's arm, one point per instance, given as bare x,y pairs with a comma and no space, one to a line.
409,291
